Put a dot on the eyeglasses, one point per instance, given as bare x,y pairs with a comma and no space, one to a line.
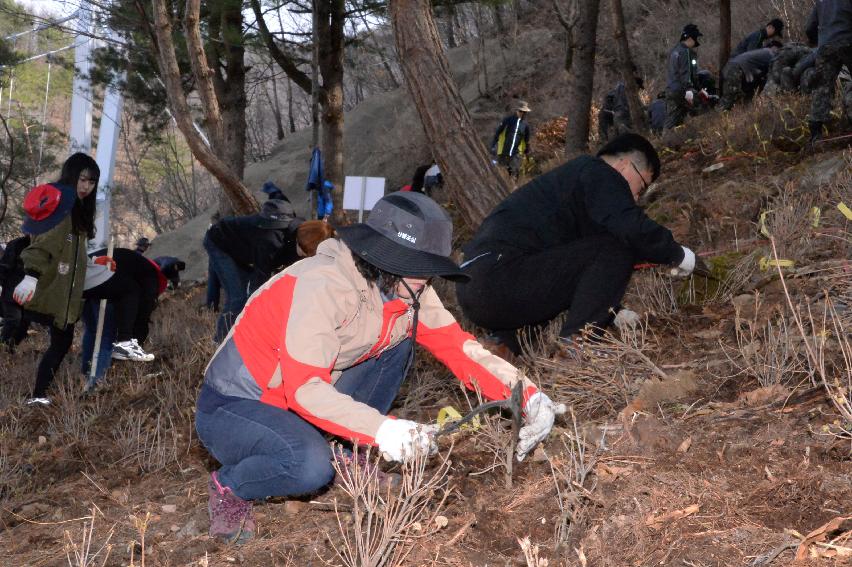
642,177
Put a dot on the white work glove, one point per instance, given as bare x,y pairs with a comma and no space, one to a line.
539,413
400,439
627,320
689,96
686,266
24,291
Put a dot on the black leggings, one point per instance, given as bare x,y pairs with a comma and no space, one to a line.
60,344
510,290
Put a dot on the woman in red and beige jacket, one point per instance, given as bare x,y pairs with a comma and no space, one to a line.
323,347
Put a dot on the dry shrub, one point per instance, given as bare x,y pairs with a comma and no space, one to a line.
749,130
789,219
385,524
151,443
828,349
653,293
571,470
768,351
81,553
606,378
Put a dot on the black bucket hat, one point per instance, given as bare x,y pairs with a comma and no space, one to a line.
406,234
691,30
277,214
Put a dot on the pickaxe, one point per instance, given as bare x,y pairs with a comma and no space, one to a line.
513,403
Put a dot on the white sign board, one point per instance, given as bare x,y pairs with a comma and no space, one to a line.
361,193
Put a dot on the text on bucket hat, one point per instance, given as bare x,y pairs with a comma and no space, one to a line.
45,206
406,234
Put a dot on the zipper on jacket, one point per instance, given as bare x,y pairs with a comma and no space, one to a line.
76,241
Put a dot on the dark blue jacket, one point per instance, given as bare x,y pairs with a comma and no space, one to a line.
752,41
682,69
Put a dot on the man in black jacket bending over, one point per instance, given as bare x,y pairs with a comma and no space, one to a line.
567,241
246,251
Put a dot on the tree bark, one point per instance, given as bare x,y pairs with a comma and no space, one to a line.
228,47
203,75
581,76
475,186
238,195
332,16
628,69
724,32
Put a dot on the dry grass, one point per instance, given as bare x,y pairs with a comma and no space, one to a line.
768,352
606,378
756,131
384,525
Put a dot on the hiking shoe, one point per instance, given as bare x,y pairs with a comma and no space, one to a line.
130,350
346,462
44,402
231,517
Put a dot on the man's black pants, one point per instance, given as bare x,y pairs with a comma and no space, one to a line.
510,290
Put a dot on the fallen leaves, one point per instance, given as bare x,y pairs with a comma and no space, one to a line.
656,522
814,544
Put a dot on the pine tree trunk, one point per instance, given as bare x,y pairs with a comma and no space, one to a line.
581,78
332,16
221,166
474,184
628,69
724,32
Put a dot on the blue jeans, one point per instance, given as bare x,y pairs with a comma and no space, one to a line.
90,327
234,280
214,288
266,451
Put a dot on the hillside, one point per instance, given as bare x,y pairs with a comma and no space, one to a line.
717,433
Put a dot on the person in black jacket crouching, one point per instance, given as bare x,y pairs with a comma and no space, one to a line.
246,251
567,241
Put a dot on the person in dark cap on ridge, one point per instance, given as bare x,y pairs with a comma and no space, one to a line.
682,76
774,30
323,348
245,251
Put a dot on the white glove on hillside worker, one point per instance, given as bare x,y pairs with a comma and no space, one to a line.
24,291
686,266
689,96
400,439
626,320
539,412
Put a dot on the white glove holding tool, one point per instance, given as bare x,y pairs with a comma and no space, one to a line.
400,439
24,291
539,413
689,96
627,320
686,266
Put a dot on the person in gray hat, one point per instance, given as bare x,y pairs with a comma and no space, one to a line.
245,251
324,347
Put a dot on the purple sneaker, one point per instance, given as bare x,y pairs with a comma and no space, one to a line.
347,461
231,517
